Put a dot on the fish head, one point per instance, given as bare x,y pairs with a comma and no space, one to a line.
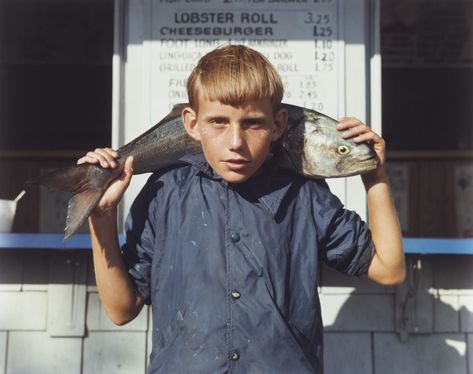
318,149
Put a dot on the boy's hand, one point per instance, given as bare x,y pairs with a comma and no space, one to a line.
114,192
354,128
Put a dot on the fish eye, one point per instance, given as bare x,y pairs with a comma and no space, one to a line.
343,150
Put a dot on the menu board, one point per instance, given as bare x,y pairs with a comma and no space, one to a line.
301,38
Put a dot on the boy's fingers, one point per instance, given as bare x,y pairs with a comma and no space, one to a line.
129,164
354,128
350,123
357,130
106,157
127,170
99,159
111,151
87,159
364,137
369,137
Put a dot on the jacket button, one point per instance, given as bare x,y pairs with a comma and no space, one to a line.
235,237
234,356
235,295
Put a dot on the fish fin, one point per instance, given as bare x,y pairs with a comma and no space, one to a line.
85,182
66,179
79,207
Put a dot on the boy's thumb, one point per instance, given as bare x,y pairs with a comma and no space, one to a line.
128,169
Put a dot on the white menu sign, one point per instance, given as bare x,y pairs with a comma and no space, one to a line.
303,39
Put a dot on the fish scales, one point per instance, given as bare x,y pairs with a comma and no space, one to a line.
160,148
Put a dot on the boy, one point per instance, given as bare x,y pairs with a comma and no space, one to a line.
226,248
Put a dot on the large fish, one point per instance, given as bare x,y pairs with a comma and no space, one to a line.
311,146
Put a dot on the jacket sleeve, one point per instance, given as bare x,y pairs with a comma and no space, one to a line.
346,243
139,247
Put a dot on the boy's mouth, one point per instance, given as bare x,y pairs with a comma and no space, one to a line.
236,164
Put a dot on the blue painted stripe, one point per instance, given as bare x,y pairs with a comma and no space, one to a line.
82,241
438,246
46,241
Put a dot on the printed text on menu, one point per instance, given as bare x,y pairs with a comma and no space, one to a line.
299,37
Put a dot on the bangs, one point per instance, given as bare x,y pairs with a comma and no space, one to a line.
234,75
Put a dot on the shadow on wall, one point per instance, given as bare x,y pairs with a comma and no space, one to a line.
424,325
22,269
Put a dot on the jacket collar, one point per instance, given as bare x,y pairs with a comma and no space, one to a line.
268,187
199,162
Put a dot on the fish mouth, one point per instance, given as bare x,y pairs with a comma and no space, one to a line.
360,166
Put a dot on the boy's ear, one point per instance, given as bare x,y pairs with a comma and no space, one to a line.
280,124
189,119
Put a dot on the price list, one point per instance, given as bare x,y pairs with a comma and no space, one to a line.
301,39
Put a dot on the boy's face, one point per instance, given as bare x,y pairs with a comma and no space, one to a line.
235,140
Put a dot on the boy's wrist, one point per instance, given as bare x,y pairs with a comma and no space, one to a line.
378,175
104,213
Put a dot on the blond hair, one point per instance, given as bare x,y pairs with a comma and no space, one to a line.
233,75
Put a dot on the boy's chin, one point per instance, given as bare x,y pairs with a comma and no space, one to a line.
233,177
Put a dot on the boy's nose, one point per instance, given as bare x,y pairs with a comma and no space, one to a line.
236,138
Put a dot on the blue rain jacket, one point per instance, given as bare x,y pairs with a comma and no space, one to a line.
231,269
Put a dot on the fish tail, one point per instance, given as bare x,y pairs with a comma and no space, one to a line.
65,179
86,186
78,209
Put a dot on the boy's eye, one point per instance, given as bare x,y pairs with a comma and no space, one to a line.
217,122
254,123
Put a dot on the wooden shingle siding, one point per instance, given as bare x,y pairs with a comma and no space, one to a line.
362,332
114,352
433,354
348,353
67,294
36,352
23,311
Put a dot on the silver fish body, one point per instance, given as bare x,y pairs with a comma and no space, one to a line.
311,146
